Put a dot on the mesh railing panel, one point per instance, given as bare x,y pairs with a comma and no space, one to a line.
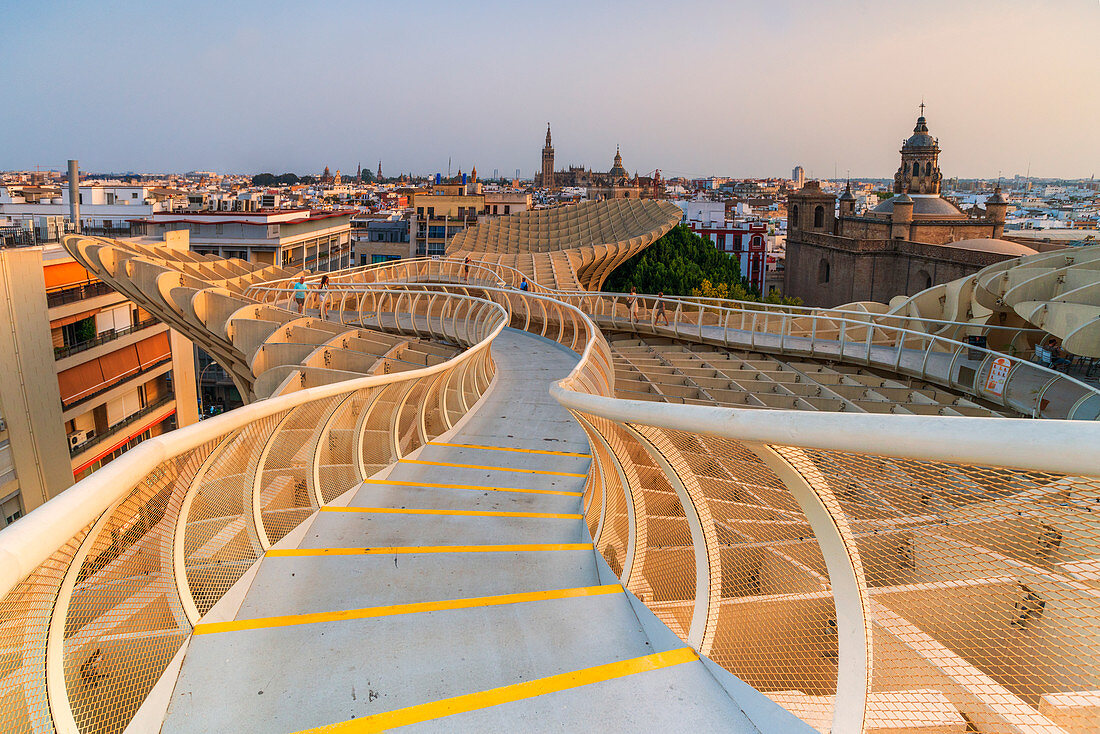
983,581
220,536
25,614
125,619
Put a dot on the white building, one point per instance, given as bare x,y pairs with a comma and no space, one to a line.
102,206
710,213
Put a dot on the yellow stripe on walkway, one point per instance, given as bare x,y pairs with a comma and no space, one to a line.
471,487
504,448
408,549
490,468
472,513
508,694
291,620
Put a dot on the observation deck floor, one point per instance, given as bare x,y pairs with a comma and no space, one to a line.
573,653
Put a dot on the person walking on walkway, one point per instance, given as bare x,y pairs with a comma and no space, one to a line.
300,293
633,303
523,286
466,268
659,311
322,294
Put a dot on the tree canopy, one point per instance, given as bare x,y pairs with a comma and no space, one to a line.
675,264
270,179
684,264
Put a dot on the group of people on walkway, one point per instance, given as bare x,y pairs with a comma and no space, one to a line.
301,291
633,302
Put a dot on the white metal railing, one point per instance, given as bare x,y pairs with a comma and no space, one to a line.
1023,386
451,269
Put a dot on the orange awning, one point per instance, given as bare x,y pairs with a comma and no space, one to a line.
60,275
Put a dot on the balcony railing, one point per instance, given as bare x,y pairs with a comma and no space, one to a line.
104,338
77,293
117,428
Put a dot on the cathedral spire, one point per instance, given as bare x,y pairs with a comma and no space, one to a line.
548,135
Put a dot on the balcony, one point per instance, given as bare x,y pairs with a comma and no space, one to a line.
104,338
77,293
117,428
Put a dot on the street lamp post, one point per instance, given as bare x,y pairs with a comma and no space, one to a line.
201,373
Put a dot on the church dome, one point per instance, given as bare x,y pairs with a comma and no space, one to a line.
988,244
920,137
930,206
617,170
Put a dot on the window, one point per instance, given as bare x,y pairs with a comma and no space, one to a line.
507,208
436,232
916,168
819,216
928,168
419,211
794,213
133,195
823,269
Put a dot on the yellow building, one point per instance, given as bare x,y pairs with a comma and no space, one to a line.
441,213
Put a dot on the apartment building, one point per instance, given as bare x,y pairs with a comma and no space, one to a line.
291,238
85,375
746,241
503,203
104,208
381,237
442,212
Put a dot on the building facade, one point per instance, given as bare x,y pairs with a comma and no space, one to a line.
378,240
84,374
909,242
290,238
104,208
442,212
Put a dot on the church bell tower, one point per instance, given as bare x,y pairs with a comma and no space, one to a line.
548,162
920,169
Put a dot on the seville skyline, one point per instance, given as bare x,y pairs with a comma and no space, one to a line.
745,89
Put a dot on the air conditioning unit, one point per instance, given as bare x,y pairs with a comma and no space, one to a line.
78,437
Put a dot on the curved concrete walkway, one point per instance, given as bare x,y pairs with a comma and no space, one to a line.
403,608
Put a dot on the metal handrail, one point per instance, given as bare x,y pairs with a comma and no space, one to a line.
898,337
515,275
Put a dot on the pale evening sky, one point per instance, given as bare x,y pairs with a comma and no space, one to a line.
692,88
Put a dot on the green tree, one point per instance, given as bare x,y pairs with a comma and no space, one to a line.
675,264
684,264
263,179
